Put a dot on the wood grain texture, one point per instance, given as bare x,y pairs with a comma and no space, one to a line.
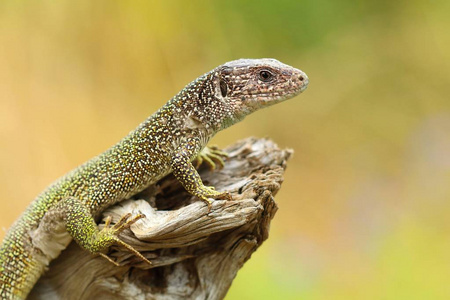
195,254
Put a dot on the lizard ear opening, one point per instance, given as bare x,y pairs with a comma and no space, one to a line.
223,88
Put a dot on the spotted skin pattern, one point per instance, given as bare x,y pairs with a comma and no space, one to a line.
168,141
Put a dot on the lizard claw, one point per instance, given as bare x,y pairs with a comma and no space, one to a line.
124,222
212,156
210,192
109,235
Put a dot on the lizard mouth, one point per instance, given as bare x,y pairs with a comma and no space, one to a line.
282,94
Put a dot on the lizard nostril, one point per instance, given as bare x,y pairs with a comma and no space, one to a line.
301,78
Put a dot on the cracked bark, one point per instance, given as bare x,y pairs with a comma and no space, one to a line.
195,254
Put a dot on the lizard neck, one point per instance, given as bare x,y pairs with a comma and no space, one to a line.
202,105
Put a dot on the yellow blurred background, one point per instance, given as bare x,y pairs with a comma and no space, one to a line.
364,209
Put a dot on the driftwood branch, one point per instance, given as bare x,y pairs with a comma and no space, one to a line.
195,254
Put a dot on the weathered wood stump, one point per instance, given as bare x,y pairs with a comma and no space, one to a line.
195,254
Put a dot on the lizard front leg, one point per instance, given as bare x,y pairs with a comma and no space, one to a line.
188,176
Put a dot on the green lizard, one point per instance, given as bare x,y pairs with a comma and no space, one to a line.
168,141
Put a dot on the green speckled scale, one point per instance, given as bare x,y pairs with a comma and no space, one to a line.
168,141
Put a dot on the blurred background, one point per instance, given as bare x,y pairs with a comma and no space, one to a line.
365,203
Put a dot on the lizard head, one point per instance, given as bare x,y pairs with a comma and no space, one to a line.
246,85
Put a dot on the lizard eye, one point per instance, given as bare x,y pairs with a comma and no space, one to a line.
265,75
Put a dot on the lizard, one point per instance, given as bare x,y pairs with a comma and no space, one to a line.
166,142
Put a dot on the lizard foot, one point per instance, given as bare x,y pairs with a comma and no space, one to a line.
208,192
109,235
212,156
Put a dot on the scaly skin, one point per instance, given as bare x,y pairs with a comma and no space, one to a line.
168,141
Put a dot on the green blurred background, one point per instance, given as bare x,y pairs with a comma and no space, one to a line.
365,203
